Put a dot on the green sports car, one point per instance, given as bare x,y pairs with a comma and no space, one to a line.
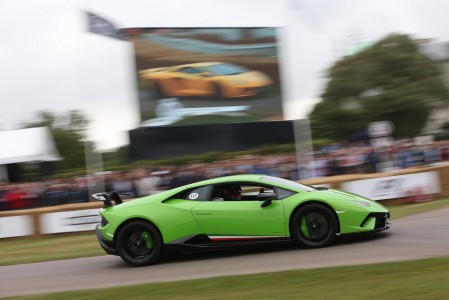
232,211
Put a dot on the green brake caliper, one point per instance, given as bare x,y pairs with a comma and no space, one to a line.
148,240
303,228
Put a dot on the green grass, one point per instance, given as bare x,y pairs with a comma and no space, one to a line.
421,279
29,250
405,210
47,248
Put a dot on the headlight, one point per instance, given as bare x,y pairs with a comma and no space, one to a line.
361,203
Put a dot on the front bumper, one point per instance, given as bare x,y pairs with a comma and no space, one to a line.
107,246
373,222
378,229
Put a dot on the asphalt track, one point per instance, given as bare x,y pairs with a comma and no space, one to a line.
421,236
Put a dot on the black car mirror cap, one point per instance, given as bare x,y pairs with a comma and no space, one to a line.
266,203
266,198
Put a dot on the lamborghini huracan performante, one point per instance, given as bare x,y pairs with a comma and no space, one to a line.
232,211
206,79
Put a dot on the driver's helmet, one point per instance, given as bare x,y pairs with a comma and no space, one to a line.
232,192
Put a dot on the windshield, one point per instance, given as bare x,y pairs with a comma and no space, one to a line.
227,69
288,183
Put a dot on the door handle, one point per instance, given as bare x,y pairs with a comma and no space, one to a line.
203,213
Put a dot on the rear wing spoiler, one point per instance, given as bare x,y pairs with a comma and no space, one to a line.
107,198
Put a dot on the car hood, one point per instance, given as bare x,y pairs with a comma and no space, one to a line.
344,195
347,196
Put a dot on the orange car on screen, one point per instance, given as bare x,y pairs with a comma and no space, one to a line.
222,80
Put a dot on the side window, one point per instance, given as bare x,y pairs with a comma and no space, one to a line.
194,71
250,192
189,70
227,192
239,192
198,194
183,70
283,193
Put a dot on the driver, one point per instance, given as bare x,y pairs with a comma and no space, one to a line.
232,192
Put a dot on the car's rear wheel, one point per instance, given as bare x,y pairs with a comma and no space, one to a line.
158,90
139,243
219,91
314,225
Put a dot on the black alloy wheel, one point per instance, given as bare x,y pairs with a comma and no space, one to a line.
139,243
314,225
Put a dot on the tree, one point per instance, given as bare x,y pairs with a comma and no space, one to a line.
390,80
68,132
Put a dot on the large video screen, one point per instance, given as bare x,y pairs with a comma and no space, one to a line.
206,76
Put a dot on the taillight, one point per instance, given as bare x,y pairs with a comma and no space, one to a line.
104,222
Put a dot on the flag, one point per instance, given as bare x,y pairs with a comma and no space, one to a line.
307,14
102,26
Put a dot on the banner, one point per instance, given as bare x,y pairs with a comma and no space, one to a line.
70,221
16,226
392,187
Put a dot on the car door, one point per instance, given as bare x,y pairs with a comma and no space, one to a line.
240,219
189,81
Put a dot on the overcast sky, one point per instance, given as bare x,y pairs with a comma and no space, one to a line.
50,62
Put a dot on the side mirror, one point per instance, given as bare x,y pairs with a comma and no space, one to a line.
321,188
266,198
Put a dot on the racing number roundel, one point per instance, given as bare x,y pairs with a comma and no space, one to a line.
193,196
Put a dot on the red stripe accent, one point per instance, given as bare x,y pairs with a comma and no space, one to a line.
227,239
244,238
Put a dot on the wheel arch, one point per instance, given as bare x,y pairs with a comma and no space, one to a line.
132,220
298,207
158,87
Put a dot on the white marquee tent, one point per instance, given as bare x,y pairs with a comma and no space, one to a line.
26,145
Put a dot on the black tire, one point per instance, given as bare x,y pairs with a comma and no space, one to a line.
158,90
314,225
139,243
218,91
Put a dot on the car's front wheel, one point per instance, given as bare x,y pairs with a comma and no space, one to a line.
314,225
139,243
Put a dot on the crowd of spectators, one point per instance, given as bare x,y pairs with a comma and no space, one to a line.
335,160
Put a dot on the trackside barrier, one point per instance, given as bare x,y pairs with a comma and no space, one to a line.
84,216
439,173
44,220
392,187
